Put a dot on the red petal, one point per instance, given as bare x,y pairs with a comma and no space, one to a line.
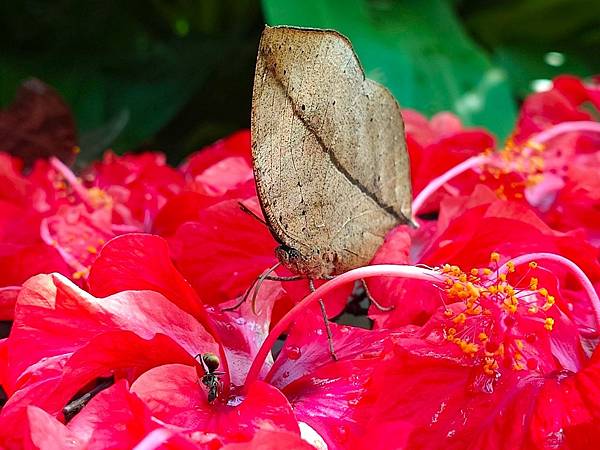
113,416
180,209
121,353
141,262
306,348
138,185
53,317
229,174
237,144
8,299
325,399
47,433
175,396
243,330
563,103
431,401
77,235
223,253
568,409
270,439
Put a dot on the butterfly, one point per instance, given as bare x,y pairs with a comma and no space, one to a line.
329,152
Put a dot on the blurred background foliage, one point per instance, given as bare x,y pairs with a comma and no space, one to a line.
176,75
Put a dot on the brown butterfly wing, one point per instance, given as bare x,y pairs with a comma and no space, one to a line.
330,159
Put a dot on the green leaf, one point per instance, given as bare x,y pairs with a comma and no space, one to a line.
94,142
152,91
416,48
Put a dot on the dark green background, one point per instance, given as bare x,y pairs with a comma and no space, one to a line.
175,75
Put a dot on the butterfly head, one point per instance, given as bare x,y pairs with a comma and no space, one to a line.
315,264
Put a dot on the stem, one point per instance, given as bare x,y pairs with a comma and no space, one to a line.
389,270
438,182
76,185
575,269
566,127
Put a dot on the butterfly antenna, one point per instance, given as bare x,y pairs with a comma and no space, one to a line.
244,298
261,280
251,213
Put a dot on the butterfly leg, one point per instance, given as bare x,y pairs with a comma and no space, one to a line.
278,278
311,284
377,305
243,299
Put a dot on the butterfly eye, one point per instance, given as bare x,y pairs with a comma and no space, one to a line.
287,254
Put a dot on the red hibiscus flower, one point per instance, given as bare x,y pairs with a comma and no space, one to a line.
468,230
438,145
87,338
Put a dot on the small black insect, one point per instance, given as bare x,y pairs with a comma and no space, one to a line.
210,363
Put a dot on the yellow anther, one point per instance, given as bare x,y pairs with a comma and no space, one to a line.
493,289
91,249
495,257
473,311
533,283
470,348
519,343
460,319
448,313
487,271
532,309
518,365
533,265
483,337
519,357
511,266
549,323
80,274
462,277
535,145
474,291
543,292
451,331
502,277
474,272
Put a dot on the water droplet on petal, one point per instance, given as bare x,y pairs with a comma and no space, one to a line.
293,352
342,432
235,400
555,439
